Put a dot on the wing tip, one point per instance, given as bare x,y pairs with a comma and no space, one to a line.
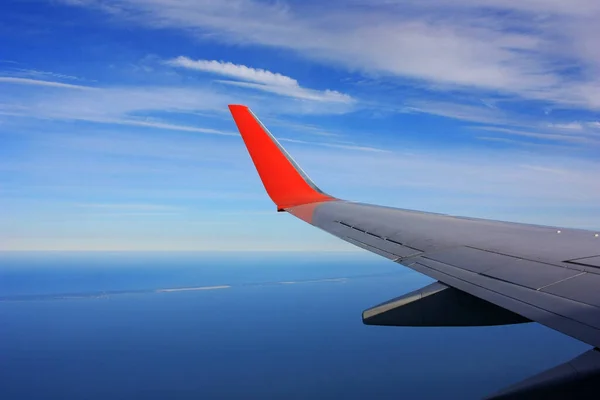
284,180
233,107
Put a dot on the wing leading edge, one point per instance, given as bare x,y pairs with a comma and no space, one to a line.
527,272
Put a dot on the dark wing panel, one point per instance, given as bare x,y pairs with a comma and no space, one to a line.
578,378
439,305
545,274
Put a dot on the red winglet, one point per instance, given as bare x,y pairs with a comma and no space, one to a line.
284,180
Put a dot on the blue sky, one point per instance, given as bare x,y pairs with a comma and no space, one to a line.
115,133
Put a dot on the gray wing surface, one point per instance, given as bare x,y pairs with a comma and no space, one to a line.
549,277
488,272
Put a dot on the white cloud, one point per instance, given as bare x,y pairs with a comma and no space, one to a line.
544,50
575,126
137,105
464,112
128,206
38,73
529,145
297,92
162,125
235,71
113,105
117,105
538,7
528,126
568,137
343,146
36,82
260,79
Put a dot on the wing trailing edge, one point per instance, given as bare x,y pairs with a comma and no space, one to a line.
285,182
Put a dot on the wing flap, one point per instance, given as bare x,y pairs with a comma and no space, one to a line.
370,248
439,305
471,259
345,231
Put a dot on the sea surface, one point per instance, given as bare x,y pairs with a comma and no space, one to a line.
240,326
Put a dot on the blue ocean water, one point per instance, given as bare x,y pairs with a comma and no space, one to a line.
246,325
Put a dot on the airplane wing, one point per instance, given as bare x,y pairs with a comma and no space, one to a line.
488,272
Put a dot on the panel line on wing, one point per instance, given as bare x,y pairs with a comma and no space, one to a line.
361,230
562,280
557,265
376,250
402,244
592,261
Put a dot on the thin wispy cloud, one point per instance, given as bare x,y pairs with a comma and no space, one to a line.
260,79
43,74
524,178
344,146
127,207
300,127
112,105
528,144
463,112
572,138
575,126
37,82
167,126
